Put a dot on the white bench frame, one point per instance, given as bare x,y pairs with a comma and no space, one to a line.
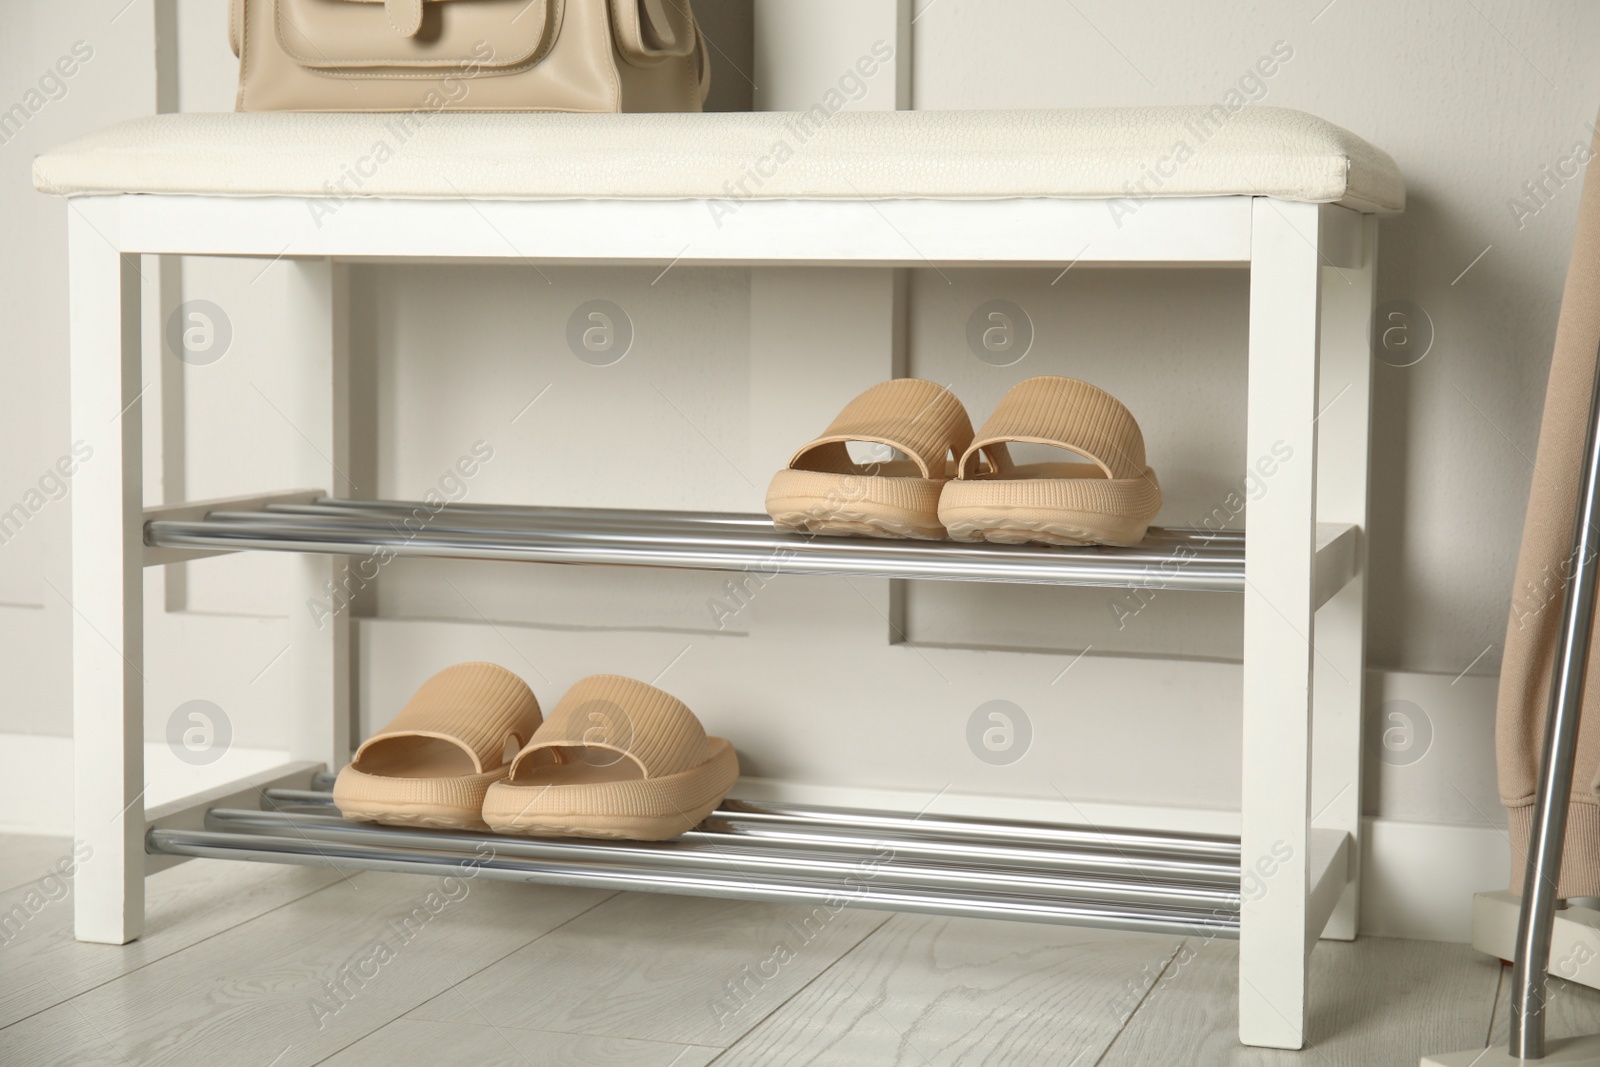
1311,294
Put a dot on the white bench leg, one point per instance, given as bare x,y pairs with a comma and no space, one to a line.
1343,444
1285,278
319,622
107,578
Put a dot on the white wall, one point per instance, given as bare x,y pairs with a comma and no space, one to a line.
113,77
1471,101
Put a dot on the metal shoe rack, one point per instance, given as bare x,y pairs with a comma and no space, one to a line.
1167,882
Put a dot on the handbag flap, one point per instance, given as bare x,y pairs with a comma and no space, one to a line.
333,35
649,31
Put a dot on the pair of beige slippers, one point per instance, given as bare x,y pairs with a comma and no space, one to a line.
964,486
617,758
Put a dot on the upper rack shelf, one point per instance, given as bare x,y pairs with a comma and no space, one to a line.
1169,558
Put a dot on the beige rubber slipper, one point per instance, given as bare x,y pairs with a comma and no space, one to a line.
824,491
433,764
1107,501
616,758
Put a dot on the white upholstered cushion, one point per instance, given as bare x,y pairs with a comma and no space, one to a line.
1079,153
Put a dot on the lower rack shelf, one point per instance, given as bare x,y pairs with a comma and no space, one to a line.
1081,876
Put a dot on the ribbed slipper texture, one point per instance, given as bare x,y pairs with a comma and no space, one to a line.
1064,412
1015,504
479,707
654,727
477,704
922,419
685,773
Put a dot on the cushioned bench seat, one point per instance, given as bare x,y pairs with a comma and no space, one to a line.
1078,153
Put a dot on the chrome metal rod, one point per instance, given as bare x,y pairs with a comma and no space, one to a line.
1196,576
477,515
829,895
536,511
313,798
626,516
310,801
735,813
762,543
741,528
1174,553
1172,559
941,853
882,866
1203,857
1529,976
1083,862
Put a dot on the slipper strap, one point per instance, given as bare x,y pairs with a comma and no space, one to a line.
475,706
623,715
920,418
1066,413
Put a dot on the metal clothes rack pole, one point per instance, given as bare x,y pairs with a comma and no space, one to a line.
1530,972
1528,978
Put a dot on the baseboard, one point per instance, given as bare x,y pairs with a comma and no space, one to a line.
1418,878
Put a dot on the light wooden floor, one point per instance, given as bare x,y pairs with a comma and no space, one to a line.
268,966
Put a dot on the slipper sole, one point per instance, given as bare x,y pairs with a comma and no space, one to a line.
1050,511
642,809
853,505
454,803
1023,526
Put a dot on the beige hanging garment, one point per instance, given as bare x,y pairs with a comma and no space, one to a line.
1544,569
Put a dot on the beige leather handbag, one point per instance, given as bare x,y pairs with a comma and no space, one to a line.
468,55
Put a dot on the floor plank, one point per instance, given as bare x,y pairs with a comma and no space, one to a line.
926,990
302,982
1573,1010
41,965
1375,1001
26,858
62,1036
423,1041
687,970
